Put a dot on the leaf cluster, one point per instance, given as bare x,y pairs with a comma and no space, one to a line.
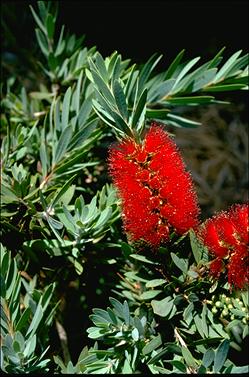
61,218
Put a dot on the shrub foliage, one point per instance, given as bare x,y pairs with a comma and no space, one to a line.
61,219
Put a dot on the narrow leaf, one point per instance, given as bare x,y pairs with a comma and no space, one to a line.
183,72
120,99
62,144
139,108
227,66
152,345
146,71
42,42
65,108
50,24
223,88
188,357
37,20
62,191
173,66
221,355
208,357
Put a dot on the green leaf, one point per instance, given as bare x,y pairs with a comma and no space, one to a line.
120,99
113,318
142,258
41,95
116,120
223,88
135,334
66,108
47,295
61,43
198,324
240,370
95,333
112,61
173,66
245,297
146,71
195,245
55,224
38,21
180,263
104,217
139,326
157,114
179,121
102,313
188,312
30,347
208,357
205,79
83,134
118,307
62,191
8,194
35,321
12,280
59,362
62,144
170,347
132,77
50,24
221,355
152,345
241,64
162,307
194,100
141,104
78,267
24,319
183,72
84,111
43,9
161,90
103,88
179,365
227,66
42,42
100,64
213,63
99,320
188,357
44,158
149,294
155,283
126,313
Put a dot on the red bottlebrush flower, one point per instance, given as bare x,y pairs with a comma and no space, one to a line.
216,267
156,190
226,237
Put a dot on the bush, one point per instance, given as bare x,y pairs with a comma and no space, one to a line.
107,263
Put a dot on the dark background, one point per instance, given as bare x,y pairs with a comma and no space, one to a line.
137,29
140,28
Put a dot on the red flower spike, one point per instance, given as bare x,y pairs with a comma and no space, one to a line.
238,268
156,190
216,267
239,217
226,237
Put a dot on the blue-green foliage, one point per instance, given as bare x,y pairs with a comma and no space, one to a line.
61,222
